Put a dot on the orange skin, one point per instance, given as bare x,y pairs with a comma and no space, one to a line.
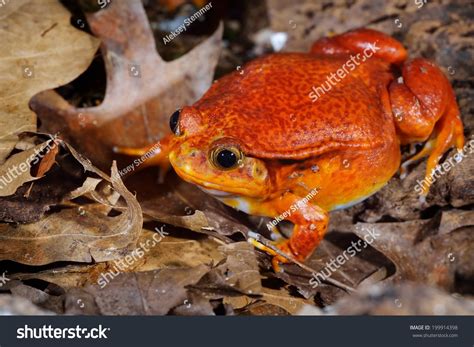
345,144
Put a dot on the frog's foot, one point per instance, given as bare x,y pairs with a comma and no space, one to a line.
357,41
151,155
310,226
277,258
424,107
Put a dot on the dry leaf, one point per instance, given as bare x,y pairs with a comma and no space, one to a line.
143,293
170,252
154,88
81,233
182,204
17,169
30,61
238,273
275,297
422,254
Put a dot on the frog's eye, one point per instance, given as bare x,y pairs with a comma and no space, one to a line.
226,158
174,122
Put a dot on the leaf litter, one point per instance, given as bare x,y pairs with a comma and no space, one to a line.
420,262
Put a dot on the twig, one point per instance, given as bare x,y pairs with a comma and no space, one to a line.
334,282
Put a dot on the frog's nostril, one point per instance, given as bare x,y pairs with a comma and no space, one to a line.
259,173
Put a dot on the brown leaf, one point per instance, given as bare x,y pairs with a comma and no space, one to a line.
195,305
423,254
12,7
154,88
31,201
238,273
143,293
275,297
184,205
40,50
17,169
400,201
48,160
350,272
81,233
171,251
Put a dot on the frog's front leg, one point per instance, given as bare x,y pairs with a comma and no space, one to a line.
310,223
152,155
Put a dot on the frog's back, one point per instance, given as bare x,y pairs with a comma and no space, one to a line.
269,109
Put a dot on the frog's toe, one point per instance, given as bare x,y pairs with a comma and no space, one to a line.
258,245
283,246
277,258
425,151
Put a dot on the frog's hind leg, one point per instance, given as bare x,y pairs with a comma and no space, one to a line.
425,109
360,41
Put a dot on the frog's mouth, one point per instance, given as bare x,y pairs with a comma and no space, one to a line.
216,193
209,188
212,188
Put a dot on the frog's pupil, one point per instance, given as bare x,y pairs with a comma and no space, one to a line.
226,159
174,122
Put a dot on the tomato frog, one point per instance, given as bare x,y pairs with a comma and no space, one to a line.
262,141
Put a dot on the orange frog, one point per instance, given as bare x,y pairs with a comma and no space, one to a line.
282,138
